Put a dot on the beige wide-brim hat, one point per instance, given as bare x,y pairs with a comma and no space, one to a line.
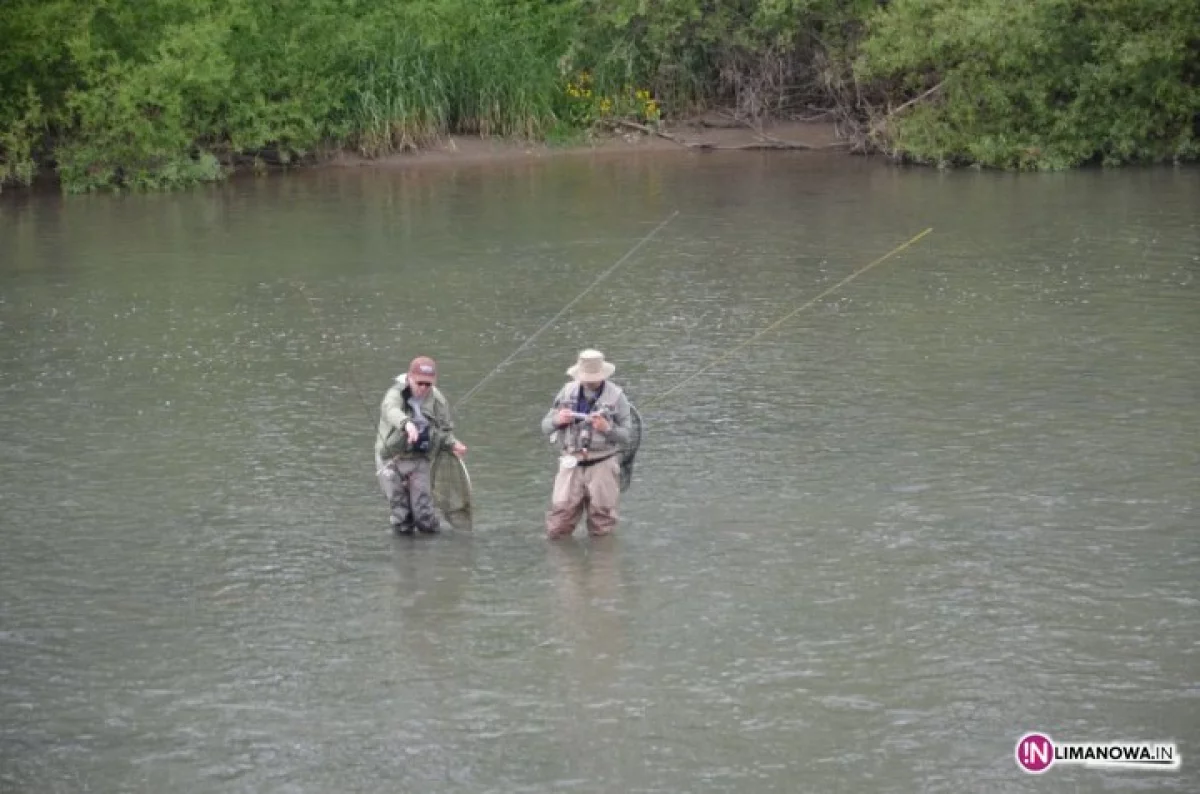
591,366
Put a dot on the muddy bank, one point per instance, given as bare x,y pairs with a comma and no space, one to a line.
705,133
708,133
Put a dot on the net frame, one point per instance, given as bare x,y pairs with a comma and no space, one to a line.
450,485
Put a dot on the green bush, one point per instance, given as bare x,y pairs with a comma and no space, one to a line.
163,93
143,122
1046,85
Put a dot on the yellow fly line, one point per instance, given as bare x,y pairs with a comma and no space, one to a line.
787,317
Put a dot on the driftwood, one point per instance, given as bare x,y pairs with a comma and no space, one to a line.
716,125
768,142
779,144
877,124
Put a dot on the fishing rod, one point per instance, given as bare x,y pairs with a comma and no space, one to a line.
787,317
459,514
564,309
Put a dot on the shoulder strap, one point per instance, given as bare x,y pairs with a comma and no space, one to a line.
612,391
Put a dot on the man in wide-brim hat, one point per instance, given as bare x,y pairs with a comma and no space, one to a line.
589,425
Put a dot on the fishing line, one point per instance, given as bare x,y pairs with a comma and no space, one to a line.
787,317
555,318
346,369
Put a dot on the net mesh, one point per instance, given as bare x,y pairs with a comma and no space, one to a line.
630,452
451,486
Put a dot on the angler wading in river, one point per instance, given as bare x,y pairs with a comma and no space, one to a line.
590,425
414,426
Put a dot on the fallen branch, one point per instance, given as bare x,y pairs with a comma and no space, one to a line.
824,114
915,100
768,141
778,143
633,125
714,124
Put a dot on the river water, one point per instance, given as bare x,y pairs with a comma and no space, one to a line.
949,502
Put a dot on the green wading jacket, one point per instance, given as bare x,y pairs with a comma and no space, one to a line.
392,442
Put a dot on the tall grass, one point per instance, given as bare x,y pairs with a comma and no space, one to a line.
410,93
504,90
400,102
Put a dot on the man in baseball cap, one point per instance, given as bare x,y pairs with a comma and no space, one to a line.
414,425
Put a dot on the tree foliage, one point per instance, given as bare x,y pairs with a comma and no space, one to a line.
1038,83
157,93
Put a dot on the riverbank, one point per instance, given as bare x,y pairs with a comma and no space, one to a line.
711,132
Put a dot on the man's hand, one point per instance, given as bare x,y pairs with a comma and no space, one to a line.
413,433
601,423
565,417
459,449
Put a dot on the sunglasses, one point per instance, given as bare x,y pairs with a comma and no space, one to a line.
422,383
